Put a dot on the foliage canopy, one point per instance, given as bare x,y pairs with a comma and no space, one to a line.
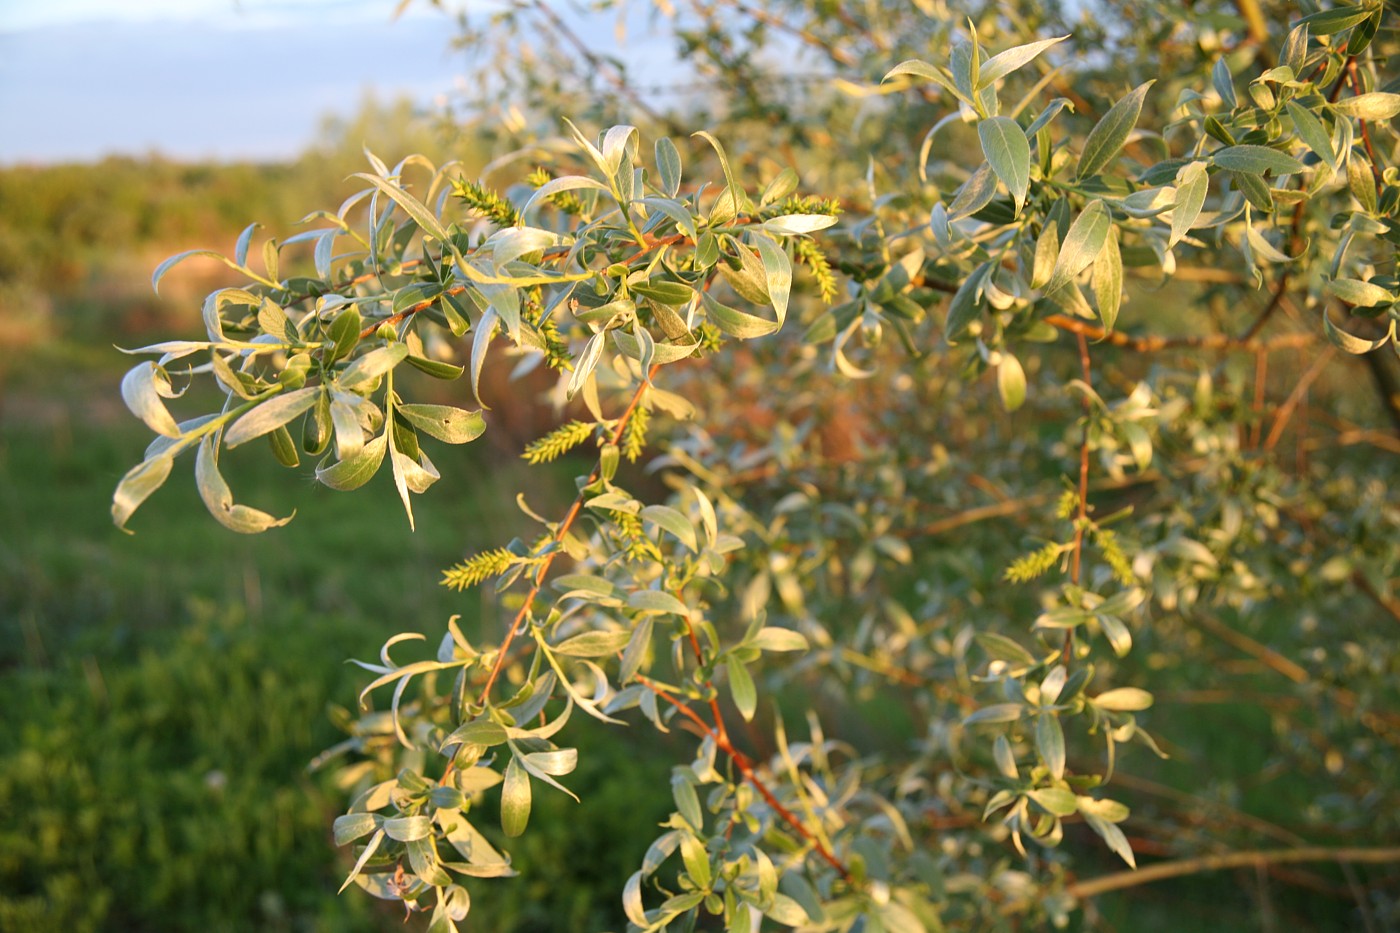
967,258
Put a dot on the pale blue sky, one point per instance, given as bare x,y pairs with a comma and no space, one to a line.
193,79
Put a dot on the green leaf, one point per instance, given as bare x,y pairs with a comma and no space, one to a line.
142,389
777,270
1083,243
1001,648
1107,281
996,712
1059,801
372,365
920,69
1192,184
436,368
1124,699
593,644
1376,105
733,322
137,485
1011,382
364,858
965,306
655,601
975,193
775,638
1050,743
218,498
1109,134
1004,63
1330,22
478,732
1113,836
741,688
1256,160
271,415
1009,154
1311,131
408,828
354,472
1361,294
1340,339
353,826
444,422
343,333
515,799
674,522
411,205
668,166
687,802
1224,85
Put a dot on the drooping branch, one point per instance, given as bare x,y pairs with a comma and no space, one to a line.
1192,866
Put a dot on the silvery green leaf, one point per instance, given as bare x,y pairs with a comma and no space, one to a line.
1083,242
588,359
798,224
677,524
655,601
965,306
777,269
924,70
1106,279
668,166
142,389
1113,836
593,644
1005,758
415,209
372,365
1361,294
780,187
733,322
742,689
364,858
1224,84
137,485
270,415
352,826
354,472
976,193
1311,131
1004,63
477,732
444,422
1347,342
218,498
1011,382
511,243
408,828
997,712
1050,743
1295,48
1058,801
1109,134
1008,153
632,904
776,638
1124,699
1192,183
1375,105
178,258
515,799
1043,118
1256,160
685,221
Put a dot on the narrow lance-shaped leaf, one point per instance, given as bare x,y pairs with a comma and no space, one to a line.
1083,243
1109,134
1009,154
137,485
1004,63
142,389
1192,183
219,499
271,415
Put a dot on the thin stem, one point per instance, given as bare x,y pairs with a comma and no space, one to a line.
1082,519
746,768
559,534
1153,344
1191,866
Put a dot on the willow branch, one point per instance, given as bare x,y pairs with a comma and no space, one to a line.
1191,866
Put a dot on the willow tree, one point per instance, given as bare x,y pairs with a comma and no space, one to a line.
1005,367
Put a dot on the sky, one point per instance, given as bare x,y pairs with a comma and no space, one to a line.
192,79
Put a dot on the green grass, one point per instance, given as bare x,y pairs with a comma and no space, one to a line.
164,691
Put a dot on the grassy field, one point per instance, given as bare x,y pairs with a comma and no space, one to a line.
164,692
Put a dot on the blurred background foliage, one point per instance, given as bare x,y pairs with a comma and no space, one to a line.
164,694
